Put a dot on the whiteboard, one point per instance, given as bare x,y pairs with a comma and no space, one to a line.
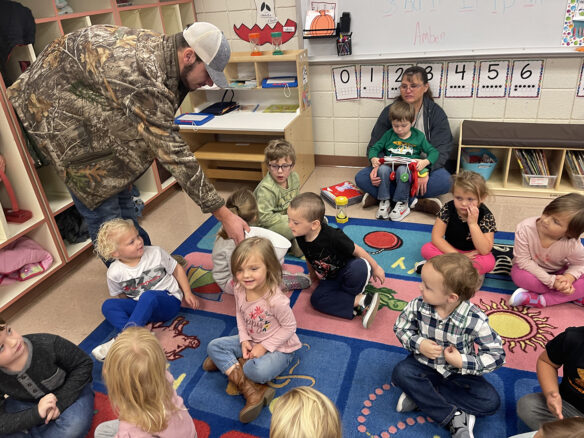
421,28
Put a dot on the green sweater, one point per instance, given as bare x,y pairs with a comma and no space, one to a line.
273,201
412,147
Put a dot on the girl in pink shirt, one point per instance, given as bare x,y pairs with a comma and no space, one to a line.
548,256
267,336
141,392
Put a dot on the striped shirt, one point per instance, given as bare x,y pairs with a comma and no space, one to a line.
466,326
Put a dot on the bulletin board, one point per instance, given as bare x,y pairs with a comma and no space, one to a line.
385,29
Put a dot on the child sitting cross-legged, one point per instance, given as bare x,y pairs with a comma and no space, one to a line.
275,191
243,203
451,346
557,401
342,268
266,339
548,256
148,276
401,141
141,391
465,224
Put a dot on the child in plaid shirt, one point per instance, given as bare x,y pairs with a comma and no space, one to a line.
443,375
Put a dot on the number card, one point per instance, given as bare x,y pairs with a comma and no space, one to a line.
345,80
460,79
526,78
395,73
493,77
372,79
435,73
581,83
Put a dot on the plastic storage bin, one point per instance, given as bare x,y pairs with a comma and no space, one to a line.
539,181
577,180
483,169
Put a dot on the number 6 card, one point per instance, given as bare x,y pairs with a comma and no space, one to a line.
526,78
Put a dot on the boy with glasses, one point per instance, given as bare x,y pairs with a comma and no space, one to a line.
275,191
401,141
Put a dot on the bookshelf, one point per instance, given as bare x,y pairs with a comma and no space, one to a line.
40,190
227,146
506,141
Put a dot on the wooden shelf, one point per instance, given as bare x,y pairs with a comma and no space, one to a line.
217,141
42,191
507,177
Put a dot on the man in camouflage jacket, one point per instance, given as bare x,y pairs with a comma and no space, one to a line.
100,103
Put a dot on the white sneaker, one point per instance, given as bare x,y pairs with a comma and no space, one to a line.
100,352
405,404
383,210
400,211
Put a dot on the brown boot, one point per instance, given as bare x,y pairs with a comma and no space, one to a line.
256,395
209,365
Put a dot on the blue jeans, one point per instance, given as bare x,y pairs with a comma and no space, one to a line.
440,397
225,351
74,422
439,183
336,296
117,206
400,189
152,306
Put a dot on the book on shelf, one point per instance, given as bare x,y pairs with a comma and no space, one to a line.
345,188
282,108
575,161
532,161
243,83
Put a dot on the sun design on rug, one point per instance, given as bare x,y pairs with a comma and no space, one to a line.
518,326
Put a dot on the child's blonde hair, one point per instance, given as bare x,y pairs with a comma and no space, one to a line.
264,249
242,203
572,203
304,412
135,375
469,181
310,205
401,110
459,274
567,428
279,148
106,243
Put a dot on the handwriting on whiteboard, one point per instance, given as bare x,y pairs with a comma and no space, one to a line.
426,36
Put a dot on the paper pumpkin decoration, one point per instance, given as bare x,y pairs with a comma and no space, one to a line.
323,24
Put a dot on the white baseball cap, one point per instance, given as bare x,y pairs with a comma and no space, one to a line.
212,47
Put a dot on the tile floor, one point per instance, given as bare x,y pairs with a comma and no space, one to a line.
69,304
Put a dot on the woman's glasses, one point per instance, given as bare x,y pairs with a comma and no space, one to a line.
410,86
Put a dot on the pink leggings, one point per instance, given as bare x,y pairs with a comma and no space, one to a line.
528,281
482,263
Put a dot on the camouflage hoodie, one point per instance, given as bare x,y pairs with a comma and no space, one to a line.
100,103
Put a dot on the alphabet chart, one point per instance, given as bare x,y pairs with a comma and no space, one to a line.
460,79
345,81
372,77
394,78
526,78
435,73
493,79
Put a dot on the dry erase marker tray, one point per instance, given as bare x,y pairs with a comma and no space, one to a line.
196,119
